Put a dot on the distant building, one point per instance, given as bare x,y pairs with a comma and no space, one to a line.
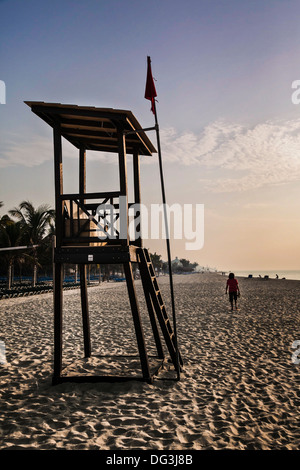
176,263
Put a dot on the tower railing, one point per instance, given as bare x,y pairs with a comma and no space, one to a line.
94,219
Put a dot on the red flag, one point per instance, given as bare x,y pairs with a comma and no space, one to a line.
150,91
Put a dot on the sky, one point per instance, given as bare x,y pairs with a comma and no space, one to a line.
230,130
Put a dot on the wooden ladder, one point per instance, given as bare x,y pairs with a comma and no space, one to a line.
156,304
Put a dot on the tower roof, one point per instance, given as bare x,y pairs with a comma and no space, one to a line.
94,128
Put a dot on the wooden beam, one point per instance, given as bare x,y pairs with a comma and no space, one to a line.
82,267
73,196
58,319
96,136
89,132
58,267
137,192
58,183
103,125
82,173
85,311
139,136
67,112
111,148
124,236
91,140
137,321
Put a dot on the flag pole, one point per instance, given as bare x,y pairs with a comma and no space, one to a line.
167,241
177,366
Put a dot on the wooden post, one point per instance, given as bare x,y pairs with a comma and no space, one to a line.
123,203
150,308
58,267
58,182
82,173
82,267
85,311
58,320
137,194
9,274
137,322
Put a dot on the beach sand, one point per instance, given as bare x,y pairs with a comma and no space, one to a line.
239,388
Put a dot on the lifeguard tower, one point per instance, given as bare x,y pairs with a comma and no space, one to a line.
83,236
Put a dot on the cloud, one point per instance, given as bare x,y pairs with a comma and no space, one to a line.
239,158
30,153
37,151
267,154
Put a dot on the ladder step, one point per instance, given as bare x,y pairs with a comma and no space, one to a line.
164,312
153,288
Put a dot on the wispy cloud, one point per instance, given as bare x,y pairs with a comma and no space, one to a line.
242,158
266,154
36,151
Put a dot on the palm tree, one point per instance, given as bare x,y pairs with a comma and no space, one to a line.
3,218
45,249
10,236
35,224
156,261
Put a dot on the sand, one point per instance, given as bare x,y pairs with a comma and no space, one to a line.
239,388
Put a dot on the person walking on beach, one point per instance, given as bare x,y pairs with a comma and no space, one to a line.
233,286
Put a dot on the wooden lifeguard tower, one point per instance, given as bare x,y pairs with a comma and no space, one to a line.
81,234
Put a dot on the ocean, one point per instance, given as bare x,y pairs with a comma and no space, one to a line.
288,274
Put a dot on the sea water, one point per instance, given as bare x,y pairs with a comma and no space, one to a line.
287,274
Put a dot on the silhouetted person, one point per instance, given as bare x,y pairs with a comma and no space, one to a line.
233,286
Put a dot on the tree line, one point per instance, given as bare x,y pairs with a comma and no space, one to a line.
29,226
178,266
25,226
